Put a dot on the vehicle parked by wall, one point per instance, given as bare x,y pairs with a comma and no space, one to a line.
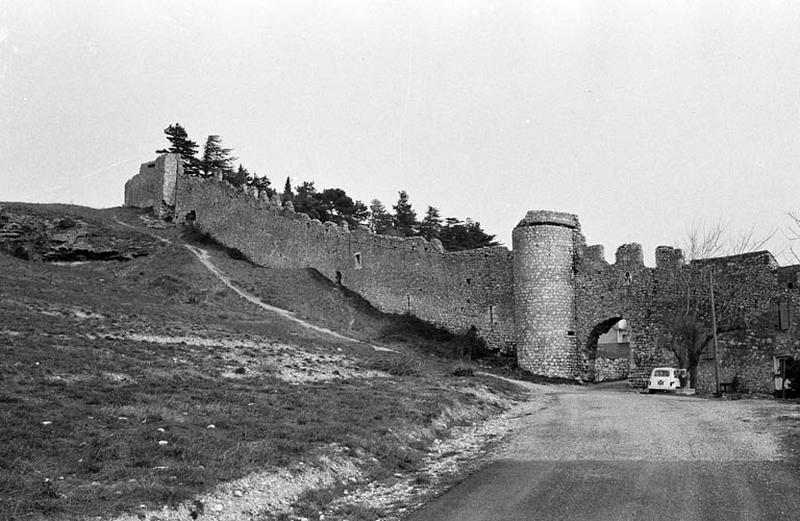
664,379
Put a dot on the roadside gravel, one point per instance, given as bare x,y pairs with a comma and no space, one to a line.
468,448
267,495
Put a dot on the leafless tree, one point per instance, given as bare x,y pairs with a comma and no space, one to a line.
743,279
792,234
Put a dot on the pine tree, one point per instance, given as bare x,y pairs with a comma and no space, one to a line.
215,157
467,235
287,195
380,221
306,201
431,225
405,218
181,144
238,178
336,205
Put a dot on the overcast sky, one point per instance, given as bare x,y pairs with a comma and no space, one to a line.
643,118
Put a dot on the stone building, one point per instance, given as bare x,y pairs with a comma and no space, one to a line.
548,301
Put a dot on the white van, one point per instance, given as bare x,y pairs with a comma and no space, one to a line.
664,379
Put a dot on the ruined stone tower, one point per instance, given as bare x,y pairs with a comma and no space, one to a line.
544,296
156,185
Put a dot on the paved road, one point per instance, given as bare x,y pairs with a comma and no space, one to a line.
616,455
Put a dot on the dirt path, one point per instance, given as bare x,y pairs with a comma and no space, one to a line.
205,259
613,455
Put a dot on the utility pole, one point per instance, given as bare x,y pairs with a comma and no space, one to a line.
714,326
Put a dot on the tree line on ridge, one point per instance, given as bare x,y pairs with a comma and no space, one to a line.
329,204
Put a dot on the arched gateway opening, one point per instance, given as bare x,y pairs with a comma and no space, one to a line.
608,350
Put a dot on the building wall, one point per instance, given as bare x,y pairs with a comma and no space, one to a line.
456,290
749,354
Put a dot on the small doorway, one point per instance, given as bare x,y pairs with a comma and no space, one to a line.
786,374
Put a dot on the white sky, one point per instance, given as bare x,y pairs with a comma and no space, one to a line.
643,118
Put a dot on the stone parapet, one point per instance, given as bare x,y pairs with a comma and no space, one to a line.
668,257
630,255
537,217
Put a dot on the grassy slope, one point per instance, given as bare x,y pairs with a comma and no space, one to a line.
109,401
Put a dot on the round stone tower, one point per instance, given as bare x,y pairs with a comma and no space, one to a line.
544,245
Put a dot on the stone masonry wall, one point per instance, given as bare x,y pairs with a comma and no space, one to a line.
628,289
606,293
549,301
544,298
749,354
606,369
155,185
746,355
454,290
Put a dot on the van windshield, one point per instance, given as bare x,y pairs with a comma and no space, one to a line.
661,372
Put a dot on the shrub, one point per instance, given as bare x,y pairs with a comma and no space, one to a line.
65,223
400,365
463,370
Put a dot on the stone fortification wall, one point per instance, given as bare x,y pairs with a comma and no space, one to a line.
606,293
628,289
544,298
550,301
155,185
455,290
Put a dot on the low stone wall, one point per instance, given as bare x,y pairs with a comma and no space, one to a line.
610,369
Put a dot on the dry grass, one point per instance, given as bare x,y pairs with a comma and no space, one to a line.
84,414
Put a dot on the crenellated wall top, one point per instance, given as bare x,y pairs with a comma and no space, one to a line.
287,210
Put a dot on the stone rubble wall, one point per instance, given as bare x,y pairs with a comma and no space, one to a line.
630,290
544,297
749,354
607,369
155,185
547,301
455,290
620,290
